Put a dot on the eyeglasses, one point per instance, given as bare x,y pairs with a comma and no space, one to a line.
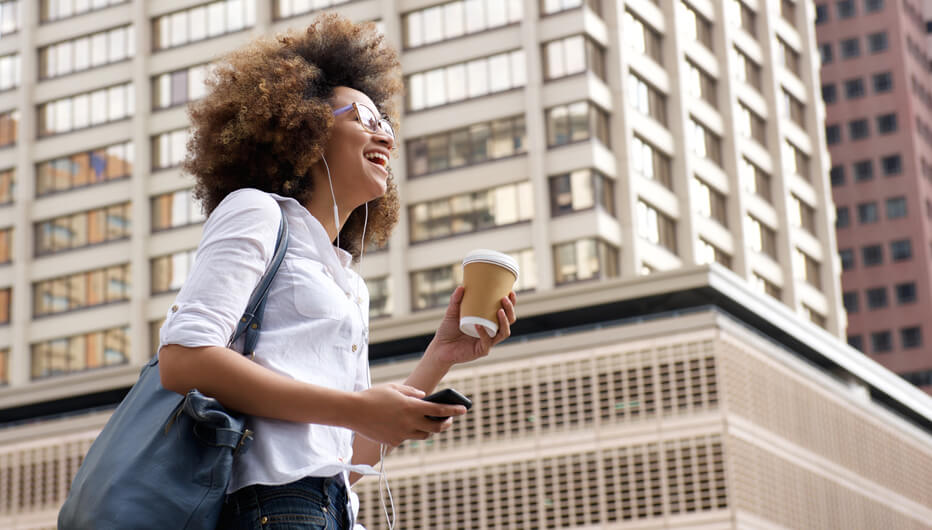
368,118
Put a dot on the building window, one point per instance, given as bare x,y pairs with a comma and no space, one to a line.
656,227
78,353
751,125
576,122
10,17
169,272
858,129
877,42
291,8
892,165
821,13
814,316
832,134
901,250
179,87
698,28
896,207
701,84
863,170
6,245
573,55
788,57
176,209
743,16
881,342
549,7
761,237
380,296
466,80
829,93
825,53
7,186
643,38
709,253
52,10
651,163
842,217
797,161
872,6
452,19
584,259
876,298
86,110
911,337
471,212
432,287
905,293
788,11
846,256
850,301
837,176
802,214
9,128
747,70
202,22
872,255
169,148
854,88
646,99
867,212
766,286
886,123
705,143
475,144
5,300
86,52
807,268
850,48
85,289
92,227
856,342
709,202
845,8
84,169
578,190
754,179
883,82
10,72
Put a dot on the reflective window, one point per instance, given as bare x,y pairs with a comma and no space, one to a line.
169,272
911,337
576,122
461,81
86,52
169,148
792,108
433,287
698,28
581,190
291,8
50,10
380,296
906,293
705,143
877,298
751,125
642,37
85,289
471,212
747,70
573,55
84,169
646,99
202,22
101,225
474,144
82,352
881,342
655,226
742,16
701,84
6,245
179,87
5,300
807,268
709,201
175,209
650,162
9,127
788,57
548,7
896,207
10,71
455,19
7,185
86,110
10,17
801,214
901,250
709,253
795,160
584,259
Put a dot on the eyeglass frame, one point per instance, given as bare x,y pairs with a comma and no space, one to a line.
384,125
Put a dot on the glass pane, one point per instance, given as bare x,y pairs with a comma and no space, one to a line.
456,82
62,115
496,14
179,88
216,19
413,30
579,121
475,15
433,24
63,58
82,115
98,49
453,20
82,54
478,78
179,28
500,65
435,87
235,20
198,19
117,45
575,53
116,97
553,51
518,69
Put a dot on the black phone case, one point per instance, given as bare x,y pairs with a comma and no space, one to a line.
448,396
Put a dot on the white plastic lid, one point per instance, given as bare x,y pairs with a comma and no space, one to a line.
492,256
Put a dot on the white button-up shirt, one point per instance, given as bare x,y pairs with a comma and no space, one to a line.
315,327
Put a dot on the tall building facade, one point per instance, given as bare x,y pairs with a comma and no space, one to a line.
595,141
877,87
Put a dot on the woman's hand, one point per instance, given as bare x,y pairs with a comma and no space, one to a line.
451,346
392,413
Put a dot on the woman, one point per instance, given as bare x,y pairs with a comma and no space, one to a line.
296,122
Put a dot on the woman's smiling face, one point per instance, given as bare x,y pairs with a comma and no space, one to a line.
357,157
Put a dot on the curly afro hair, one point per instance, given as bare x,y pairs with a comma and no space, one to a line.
266,119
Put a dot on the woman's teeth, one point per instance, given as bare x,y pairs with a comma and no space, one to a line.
378,158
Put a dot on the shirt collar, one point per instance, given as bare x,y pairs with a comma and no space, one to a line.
317,231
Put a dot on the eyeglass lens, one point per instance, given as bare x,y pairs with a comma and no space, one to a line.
372,122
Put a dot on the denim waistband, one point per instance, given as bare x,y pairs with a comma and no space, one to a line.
329,491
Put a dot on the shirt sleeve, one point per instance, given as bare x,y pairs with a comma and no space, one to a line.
235,250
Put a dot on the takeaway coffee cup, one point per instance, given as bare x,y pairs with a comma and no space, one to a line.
488,276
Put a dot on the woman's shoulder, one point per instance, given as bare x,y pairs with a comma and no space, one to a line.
247,199
245,210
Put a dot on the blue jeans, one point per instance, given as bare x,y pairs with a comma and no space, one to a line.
309,503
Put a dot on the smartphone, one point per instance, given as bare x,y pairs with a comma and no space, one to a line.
448,397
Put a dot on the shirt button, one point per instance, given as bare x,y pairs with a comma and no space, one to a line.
175,308
354,347
349,295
